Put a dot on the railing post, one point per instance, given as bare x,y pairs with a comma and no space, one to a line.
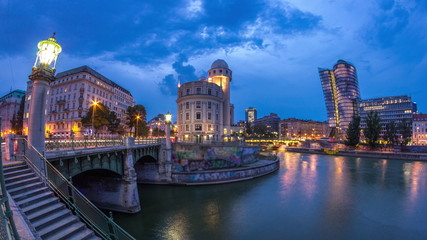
111,227
57,145
72,142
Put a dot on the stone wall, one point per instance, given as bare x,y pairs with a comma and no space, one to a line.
258,169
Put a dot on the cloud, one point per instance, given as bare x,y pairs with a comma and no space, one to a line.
184,72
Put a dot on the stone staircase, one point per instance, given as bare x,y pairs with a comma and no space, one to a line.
47,215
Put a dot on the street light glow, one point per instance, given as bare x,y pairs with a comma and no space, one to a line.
168,117
48,52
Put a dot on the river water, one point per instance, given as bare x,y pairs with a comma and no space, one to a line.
310,197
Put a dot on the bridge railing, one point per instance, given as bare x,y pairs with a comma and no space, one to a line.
95,219
56,144
147,140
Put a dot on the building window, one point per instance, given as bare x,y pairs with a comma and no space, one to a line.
209,115
209,105
187,116
198,127
199,90
188,91
198,104
187,105
198,115
187,128
210,91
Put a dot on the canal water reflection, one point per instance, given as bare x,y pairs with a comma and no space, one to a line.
310,197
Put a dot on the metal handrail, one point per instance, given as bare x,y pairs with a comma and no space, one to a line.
83,208
56,144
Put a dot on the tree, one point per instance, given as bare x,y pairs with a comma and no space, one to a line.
373,129
157,132
101,118
390,134
248,128
353,132
131,117
114,123
17,121
405,132
260,129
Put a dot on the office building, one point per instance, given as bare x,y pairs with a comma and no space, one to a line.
250,115
419,129
270,121
204,110
71,95
341,91
389,109
9,107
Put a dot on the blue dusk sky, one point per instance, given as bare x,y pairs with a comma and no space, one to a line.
273,47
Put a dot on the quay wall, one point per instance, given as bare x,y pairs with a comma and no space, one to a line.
368,154
260,168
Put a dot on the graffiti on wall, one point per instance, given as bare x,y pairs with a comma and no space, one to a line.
213,158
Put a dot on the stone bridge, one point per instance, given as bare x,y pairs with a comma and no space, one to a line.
108,176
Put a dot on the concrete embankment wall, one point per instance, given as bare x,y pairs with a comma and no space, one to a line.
386,155
257,169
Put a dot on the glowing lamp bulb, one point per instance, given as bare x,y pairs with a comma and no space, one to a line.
48,52
168,117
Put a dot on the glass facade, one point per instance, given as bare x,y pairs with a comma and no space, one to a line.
389,109
341,91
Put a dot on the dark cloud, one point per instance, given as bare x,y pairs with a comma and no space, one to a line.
168,85
146,31
185,73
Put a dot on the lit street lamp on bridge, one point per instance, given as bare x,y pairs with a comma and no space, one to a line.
138,117
43,73
94,104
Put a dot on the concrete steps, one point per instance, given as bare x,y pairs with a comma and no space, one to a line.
49,217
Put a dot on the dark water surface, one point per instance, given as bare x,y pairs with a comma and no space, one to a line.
310,197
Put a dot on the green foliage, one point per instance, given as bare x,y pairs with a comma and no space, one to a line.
17,121
373,129
248,128
103,117
260,130
353,132
405,131
131,118
157,132
390,134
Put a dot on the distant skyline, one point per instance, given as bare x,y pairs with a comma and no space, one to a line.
273,47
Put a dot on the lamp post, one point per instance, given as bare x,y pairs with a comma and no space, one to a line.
41,76
168,120
138,117
94,104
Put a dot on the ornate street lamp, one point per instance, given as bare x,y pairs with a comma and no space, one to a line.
41,76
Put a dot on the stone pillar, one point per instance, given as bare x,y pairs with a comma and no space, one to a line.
165,158
129,189
41,78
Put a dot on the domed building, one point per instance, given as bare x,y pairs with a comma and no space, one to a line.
205,113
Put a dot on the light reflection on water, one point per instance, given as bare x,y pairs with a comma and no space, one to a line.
310,197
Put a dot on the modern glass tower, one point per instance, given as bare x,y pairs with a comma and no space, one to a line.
341,90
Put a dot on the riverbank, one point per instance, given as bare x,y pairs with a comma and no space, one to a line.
227,175
368,154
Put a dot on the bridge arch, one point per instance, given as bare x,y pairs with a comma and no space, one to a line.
147,169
